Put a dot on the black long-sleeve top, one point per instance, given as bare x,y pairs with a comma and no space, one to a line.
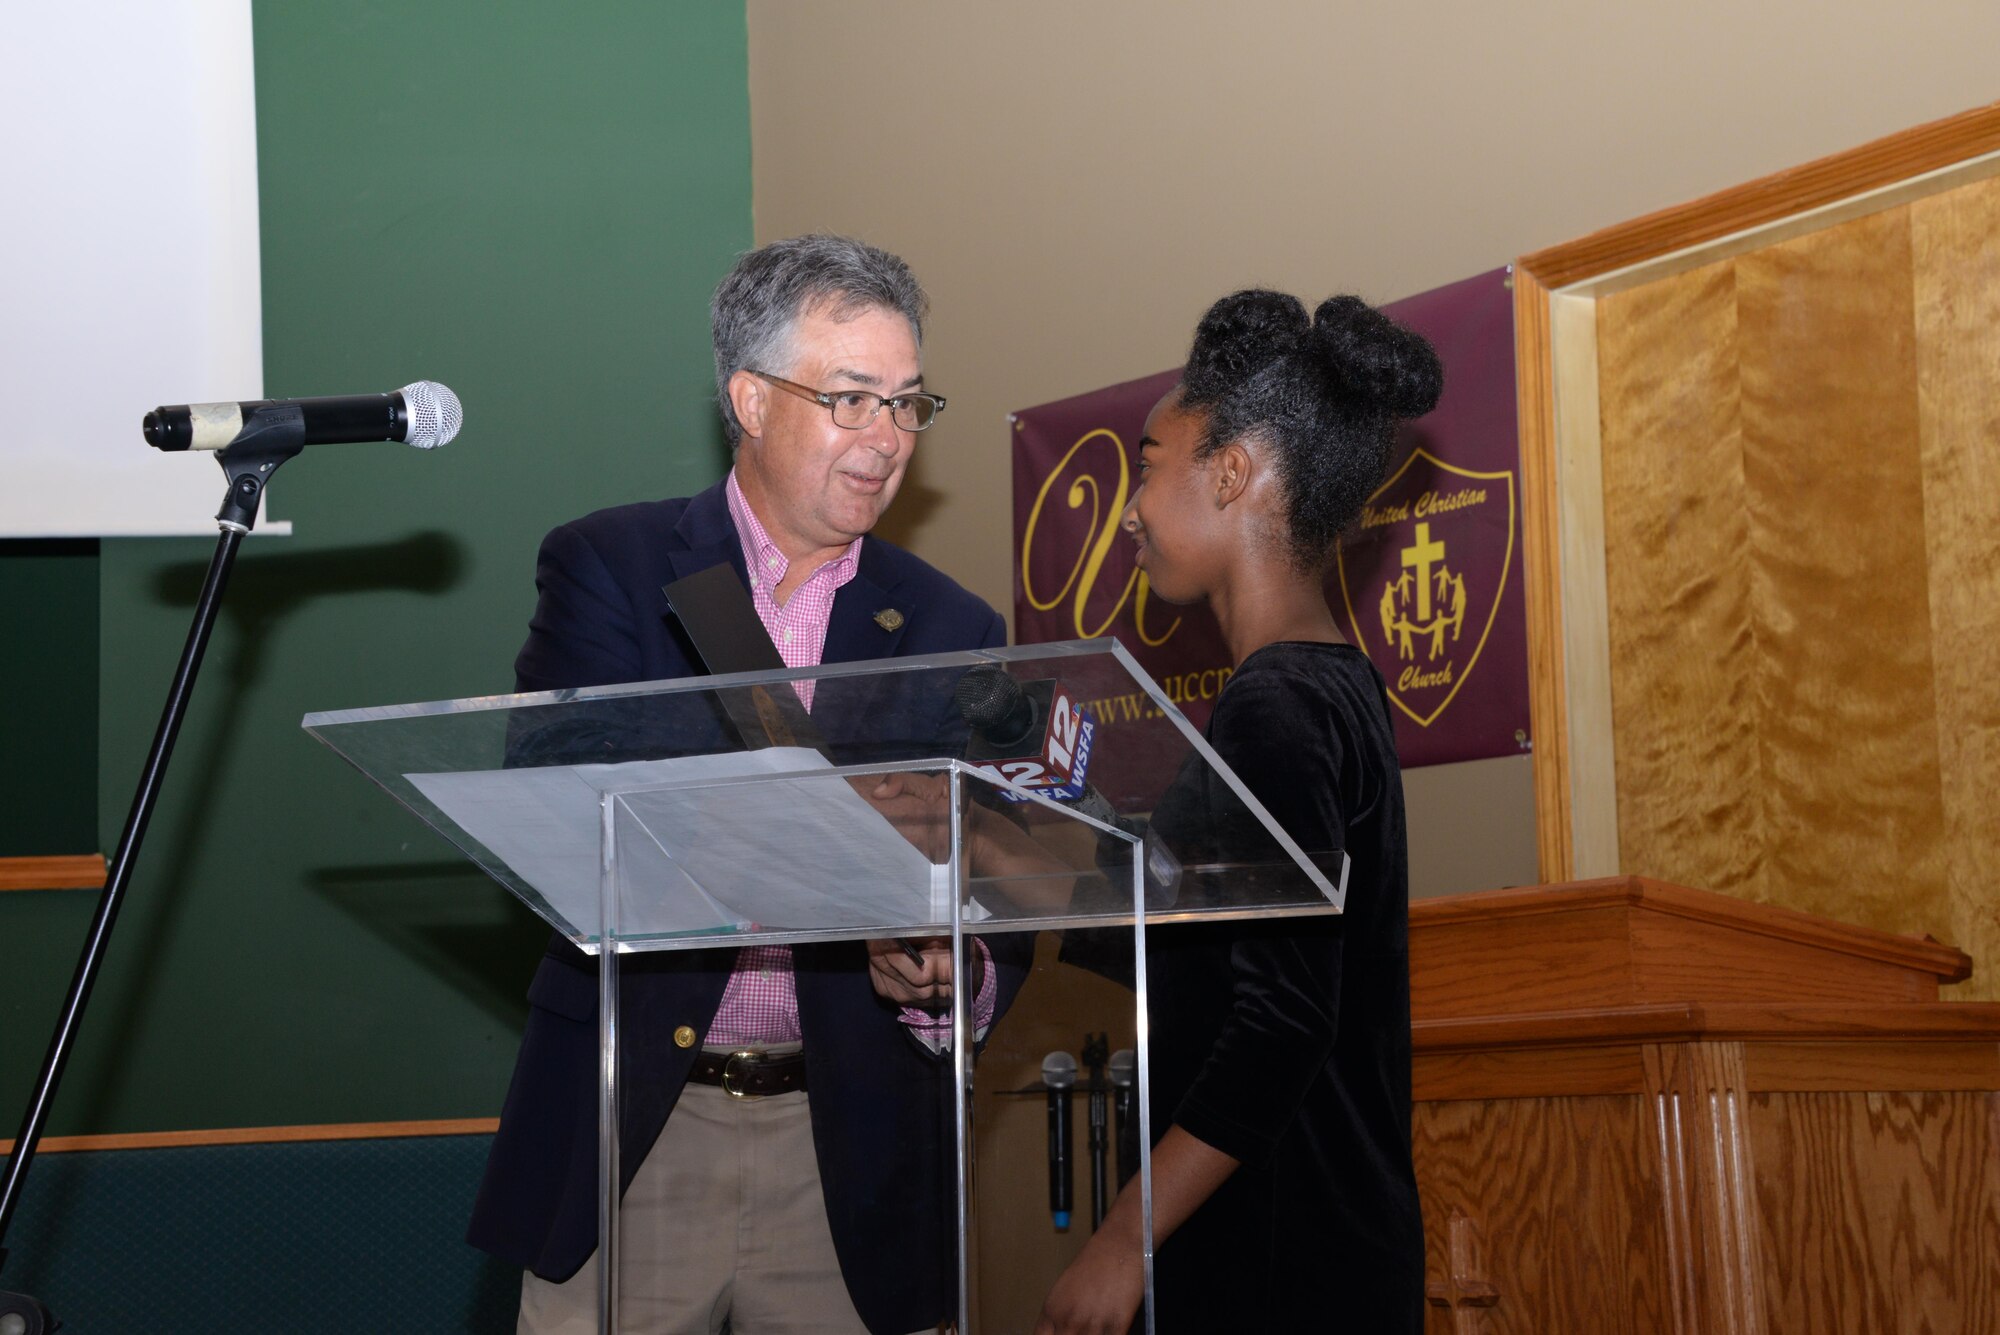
1285,1043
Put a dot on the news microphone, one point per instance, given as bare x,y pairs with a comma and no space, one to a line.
424,414
1059,1075
1029,734
1032,735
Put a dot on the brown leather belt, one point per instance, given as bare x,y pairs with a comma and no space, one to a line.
748,1074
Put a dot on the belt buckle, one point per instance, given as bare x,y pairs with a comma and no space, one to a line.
729,1074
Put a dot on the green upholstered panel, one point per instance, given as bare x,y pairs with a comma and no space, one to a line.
300,1238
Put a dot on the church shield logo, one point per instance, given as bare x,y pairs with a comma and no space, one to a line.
1421,577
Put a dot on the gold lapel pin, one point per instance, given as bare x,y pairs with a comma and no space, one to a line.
889,619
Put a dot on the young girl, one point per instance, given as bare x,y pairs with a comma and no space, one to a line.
1283,1194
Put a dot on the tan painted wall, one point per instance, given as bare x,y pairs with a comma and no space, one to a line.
1076,182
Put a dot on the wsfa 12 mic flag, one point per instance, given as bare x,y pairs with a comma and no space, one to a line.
1032,734
1027,733
424,414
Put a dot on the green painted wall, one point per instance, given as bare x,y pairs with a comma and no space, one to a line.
48,787
48,697
530,204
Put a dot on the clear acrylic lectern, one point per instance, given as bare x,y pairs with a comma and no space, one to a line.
838,804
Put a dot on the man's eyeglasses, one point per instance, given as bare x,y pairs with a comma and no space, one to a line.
856,408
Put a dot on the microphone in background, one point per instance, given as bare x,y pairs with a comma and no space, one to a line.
424,414
1096,1050
1059,1075
1123,1072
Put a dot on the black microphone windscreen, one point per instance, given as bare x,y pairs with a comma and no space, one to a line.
994,704
985,695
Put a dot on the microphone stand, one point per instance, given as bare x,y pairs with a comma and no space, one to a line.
271,435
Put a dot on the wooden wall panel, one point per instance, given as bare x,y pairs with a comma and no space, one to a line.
1801,463
1679,595
1839,593
1955,243
1878,1211
1565,1196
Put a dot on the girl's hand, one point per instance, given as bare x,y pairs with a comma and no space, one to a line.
1099,1294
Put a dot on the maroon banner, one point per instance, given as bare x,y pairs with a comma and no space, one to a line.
1428,582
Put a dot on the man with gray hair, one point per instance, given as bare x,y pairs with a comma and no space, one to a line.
817,1202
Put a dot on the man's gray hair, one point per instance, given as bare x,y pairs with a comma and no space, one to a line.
756,309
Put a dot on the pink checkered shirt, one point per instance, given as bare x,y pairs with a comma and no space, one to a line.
761,1004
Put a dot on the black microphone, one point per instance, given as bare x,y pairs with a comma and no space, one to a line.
1096,1048
1000,710
1124,1076
1059,1075
424,414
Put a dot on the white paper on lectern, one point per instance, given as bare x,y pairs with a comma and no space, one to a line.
801,854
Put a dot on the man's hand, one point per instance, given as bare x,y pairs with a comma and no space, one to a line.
917,805
925,981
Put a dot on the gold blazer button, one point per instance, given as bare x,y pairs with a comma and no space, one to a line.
684,1037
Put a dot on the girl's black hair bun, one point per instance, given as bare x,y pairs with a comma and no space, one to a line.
1241,335
1392,369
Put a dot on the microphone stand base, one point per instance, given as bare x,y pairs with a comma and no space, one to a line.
22,1315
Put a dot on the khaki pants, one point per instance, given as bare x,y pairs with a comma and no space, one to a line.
724,1223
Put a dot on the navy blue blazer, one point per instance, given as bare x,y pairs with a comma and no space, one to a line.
881,1114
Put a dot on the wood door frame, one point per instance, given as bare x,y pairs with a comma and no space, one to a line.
1562,499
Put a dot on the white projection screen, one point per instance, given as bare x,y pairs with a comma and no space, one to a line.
130,248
